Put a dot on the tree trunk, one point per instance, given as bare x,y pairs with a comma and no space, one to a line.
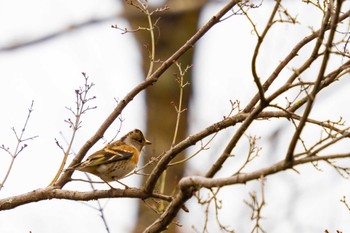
174,27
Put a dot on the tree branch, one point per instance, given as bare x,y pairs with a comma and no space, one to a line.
242,178
53,193
143,85
68,29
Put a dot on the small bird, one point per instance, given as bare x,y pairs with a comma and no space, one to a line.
115,160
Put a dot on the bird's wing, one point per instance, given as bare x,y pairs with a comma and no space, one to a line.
110,154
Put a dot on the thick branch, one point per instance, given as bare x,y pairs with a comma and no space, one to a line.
242,178
52,193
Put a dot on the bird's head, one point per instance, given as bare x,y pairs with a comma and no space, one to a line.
136,139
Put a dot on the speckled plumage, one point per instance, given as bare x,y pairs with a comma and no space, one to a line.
117,159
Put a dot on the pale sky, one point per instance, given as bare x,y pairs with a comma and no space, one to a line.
49,72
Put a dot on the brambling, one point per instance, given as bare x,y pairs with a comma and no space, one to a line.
115,160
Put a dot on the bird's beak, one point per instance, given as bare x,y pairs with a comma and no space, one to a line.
148,142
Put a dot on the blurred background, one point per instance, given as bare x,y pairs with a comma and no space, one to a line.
44,48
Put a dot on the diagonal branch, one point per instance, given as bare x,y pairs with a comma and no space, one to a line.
256,53
233,142
170,212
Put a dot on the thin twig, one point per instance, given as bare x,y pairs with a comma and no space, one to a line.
82,99
19,147
256,52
